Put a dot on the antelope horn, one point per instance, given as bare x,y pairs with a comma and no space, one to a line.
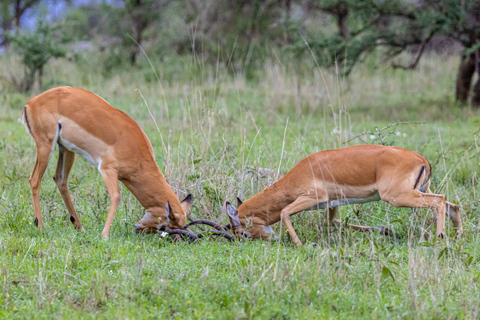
192,237
207,222
223,234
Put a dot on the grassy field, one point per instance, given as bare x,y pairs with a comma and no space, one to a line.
212,132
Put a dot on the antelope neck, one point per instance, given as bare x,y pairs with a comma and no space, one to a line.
265,207
152,190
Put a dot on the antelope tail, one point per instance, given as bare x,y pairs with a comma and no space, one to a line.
426,173
26,123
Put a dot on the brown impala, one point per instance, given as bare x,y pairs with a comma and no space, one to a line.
81,122
332,178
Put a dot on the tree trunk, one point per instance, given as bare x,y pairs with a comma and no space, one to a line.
139,27
40,76
476,94
133,57
6,25
29,80
139,24
288,8
464,78
342,23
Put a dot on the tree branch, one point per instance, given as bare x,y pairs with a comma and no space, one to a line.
415,62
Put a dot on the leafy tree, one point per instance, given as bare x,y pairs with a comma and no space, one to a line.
141,14
239,31
400,25
11,13
36,49
130,24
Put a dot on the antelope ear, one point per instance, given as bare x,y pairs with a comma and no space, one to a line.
168,212
186,204
171,216
233,215
239,202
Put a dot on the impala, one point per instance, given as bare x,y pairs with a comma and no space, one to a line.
81,122
332,178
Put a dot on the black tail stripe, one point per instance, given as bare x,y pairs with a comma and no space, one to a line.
26,120
419,176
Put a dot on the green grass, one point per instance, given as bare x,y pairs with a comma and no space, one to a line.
214,132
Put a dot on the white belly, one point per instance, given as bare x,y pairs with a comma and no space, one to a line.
70,146
76,139
346,201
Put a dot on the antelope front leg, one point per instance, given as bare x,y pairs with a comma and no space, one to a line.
301,204
289,226
111,182
441,217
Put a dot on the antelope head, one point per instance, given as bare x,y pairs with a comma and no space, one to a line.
155,220
239,225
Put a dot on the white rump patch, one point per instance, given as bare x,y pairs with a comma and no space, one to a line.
55,140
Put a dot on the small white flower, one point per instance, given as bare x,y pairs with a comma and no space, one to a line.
404,134
372,137
397,133
163,234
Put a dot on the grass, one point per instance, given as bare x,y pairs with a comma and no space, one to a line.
212,133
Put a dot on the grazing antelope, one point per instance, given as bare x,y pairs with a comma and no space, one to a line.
81,122
332,178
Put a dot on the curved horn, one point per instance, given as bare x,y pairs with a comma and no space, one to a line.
207,222
192,237
222,233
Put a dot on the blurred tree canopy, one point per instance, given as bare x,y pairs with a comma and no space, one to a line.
397,26
11,13
243,34
35,49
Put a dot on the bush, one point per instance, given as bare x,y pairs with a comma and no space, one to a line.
35,50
